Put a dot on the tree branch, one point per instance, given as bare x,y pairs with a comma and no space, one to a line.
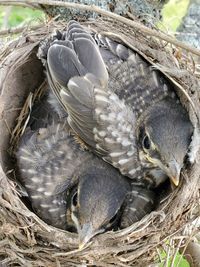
19,29
19,3
114,16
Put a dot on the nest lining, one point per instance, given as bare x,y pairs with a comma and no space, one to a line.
28,241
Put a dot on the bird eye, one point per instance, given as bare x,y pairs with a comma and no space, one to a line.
74,199
146,142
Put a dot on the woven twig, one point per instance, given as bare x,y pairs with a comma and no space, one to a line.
25,239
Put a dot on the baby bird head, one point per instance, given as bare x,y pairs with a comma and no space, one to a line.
165,133
96,203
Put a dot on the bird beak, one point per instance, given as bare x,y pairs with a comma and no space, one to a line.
86,233
174,171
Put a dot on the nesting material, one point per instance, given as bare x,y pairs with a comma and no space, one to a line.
28,241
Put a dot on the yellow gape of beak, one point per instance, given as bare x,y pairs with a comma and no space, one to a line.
174,171
175,180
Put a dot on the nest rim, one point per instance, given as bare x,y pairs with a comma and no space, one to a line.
111,247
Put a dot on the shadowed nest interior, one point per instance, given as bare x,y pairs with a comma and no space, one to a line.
25,240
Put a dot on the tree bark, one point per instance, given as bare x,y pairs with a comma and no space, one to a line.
147,11
190,27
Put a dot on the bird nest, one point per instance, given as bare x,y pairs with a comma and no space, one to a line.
25,239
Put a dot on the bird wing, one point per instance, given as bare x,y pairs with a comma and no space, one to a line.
79,79
84,55
131,76
47,161
103,122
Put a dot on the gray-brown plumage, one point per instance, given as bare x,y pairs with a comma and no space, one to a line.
97,204
70,188
119,105
51,163
48,159
139,202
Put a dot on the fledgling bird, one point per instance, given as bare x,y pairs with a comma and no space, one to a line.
51,163
70,188
125,110
46,160
104,201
